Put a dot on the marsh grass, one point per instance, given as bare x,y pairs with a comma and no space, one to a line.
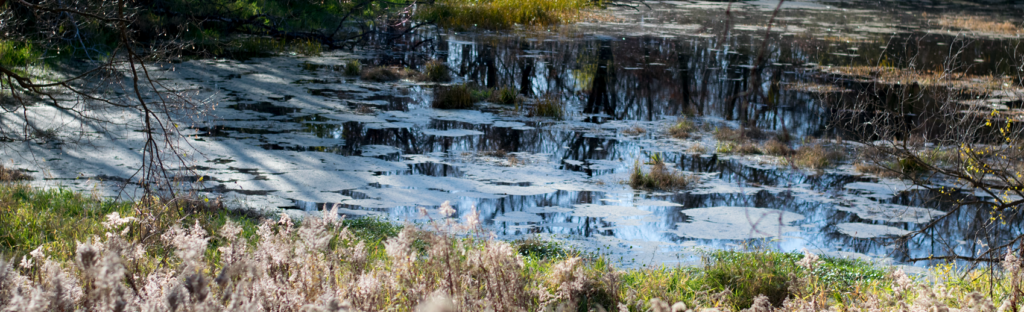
307,47
501,14
382,74
682,129
452,97
776,148
634,130
660,177
817,156
505,95
436,71
548,106
353,68
979,24
11,175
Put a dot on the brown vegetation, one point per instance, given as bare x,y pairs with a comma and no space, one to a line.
980,24
660,177
817,156
11,175
682,129
452,97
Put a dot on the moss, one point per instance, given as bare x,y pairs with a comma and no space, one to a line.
453,97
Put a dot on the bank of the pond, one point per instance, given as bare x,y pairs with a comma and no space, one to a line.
67,250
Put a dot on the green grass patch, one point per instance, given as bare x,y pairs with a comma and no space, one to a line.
505,95
548,106
353,68
659,177
17,54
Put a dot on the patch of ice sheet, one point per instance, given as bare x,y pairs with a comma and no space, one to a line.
884,189
451,132
393,197
736,223
519,217
606,211
547,209
655,203
295,139
355,117
515,125
864,230
379,150
869,209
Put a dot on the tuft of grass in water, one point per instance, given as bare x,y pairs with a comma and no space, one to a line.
634,130
980,24
353,68
501,14
682,129
308,47
548,106
436,71
659,177
776,148
452,97
11,175
817,156
256,46
748,149
17,54
381,74
505,95
725,147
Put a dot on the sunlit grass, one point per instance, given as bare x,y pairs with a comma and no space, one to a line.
502,14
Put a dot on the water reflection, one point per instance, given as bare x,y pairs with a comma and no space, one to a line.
607,77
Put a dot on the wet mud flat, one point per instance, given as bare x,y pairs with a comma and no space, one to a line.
294,134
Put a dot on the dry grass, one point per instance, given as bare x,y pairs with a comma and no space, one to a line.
548,106
384,74
980,24
11,175
364,110
776,148
505,95
502,14
634,130
660,177
682,129
905,76
436,71
817,156
741,135
453,97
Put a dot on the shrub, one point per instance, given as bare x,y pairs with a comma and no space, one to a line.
436,71
353,68
453,97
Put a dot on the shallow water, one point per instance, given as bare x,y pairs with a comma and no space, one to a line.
292,132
